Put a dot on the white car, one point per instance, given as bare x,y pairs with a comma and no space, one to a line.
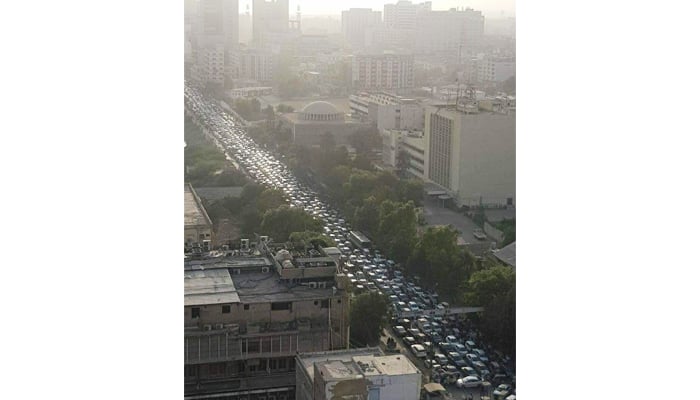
469,382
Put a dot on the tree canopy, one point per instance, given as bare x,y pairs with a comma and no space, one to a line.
281,222
368,313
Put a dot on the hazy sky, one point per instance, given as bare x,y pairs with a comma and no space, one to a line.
490,8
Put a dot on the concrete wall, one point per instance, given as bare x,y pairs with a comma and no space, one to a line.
398,387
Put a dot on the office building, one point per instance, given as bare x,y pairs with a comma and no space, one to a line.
248,312
470,151
388,71
356,21
387,111
404,151
357,374
404,14
253,64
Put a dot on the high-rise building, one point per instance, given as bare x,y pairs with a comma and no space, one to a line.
470,151
270,18
403,14
215,36
448,32
355,23
382,71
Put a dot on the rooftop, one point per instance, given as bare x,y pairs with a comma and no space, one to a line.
308,360
395,364
506,254
209,286
267,287
194,211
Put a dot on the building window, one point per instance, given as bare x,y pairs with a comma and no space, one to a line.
195,312
325,303
226,309
287,305
246,306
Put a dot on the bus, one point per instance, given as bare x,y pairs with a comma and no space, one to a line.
359,240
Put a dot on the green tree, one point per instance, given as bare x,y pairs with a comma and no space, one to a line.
368,313
283,108
396,233
366,217
494,289
440,262
270,199
486,285
307,239
281,222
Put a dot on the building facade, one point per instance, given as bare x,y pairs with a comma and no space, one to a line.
382,71
404,151
214,28
448,32
356,21
470,151
249,314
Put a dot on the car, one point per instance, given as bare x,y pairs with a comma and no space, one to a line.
469,381
441,359
418,350
502,391
400,330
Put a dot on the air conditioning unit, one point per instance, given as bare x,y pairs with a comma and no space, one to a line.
313,285
219,326
237,271
322,285
265,269
245,244
224,247
207,327
206,245
264,239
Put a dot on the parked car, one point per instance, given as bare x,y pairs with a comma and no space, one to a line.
418,350
469,381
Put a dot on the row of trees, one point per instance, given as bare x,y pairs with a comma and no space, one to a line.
205,164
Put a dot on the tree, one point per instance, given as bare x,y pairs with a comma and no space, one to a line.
396,233
368,313
494,289
281,222
283,108
327,142
440,262
270,199
366,217
486,285
307,239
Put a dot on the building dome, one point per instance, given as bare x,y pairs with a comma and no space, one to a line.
321,111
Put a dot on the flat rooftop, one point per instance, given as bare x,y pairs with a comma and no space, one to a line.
209,286
194,212
228,262
266,288
337,369
308,360
395,364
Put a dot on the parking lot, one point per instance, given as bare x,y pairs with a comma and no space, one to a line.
455,352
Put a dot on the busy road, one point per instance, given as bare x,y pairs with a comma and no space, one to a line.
448,346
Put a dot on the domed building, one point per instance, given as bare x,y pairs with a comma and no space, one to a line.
321,111
317,118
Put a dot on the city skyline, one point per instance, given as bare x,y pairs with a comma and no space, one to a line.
490,8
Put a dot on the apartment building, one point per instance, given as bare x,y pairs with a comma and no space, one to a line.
214,34
249,312
470,151
382,71
448,32
404,151
357,374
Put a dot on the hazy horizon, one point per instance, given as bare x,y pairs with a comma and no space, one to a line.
490,8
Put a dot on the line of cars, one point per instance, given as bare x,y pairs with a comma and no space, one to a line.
453,357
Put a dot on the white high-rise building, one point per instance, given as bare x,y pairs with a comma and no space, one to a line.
451,31
470,151
214,28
